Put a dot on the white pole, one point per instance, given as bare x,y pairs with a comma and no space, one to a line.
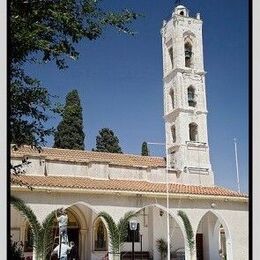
167,179
238,182
167,197
167,204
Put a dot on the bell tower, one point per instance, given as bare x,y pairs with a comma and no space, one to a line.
185,110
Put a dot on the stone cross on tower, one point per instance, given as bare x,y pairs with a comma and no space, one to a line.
185,109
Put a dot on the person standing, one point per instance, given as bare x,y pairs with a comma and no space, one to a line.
73,255
63,223
62,251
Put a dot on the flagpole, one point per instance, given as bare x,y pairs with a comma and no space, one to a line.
167,197
238,182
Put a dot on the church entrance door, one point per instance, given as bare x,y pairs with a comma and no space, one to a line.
199,246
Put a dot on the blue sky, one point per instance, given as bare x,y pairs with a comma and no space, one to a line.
119,79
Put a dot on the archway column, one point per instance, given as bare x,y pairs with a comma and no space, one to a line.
83,236
188,254
229,248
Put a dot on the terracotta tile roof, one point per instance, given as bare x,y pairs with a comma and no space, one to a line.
123,185
87,156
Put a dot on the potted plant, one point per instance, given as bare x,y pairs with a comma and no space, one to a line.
162,247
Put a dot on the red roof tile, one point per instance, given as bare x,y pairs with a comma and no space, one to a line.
122,185
87,156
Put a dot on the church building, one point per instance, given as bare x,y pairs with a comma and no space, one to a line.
86,183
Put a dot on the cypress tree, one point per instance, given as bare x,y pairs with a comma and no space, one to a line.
69,134
145,151
106,141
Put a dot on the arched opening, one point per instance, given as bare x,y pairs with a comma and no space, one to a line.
193,132
28,239
152,216
73,227
170,52
181,13
172,98
188,54
191,96
73,230
100,236
211,237
173,131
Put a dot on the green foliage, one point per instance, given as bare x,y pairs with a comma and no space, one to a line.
106,141
162,247
145,151
15,250
42,31
188,228
42,234
29,105
117,232
69,134
51,28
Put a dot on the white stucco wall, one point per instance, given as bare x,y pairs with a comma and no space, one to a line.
233,215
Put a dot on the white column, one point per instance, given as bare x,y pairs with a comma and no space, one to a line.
83,235
229,249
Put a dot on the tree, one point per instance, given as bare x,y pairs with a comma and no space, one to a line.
117,232
106,141
188,229
145,151
42,233
42,31
69,134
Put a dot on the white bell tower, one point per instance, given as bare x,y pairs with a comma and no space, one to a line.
185,110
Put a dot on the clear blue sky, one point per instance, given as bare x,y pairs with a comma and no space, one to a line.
119,79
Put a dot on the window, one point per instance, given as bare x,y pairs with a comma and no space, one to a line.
172,98
100,236
172,160
170,51
191,96
135,233
173,134
181,13
193,131
188,54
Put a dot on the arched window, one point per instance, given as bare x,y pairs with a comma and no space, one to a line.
100,236
172,98
170,51
191,96
173,134
193,132
188,54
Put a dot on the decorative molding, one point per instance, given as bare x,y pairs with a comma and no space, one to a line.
196,144
198,170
